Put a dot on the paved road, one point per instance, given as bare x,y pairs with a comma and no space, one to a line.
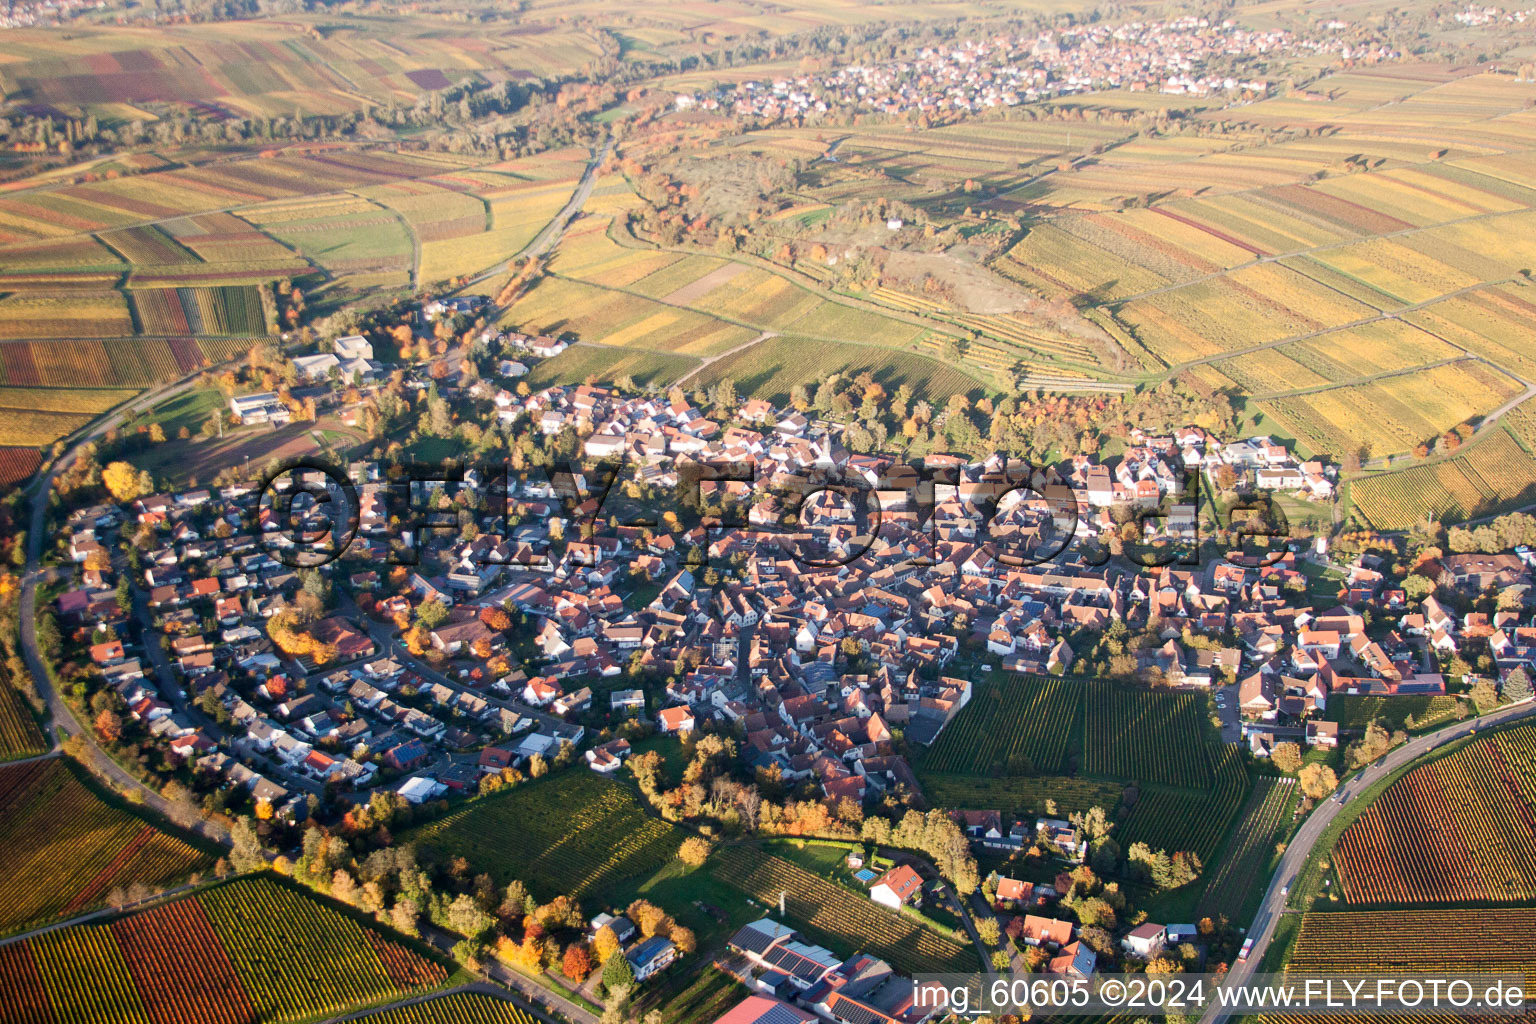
1301,845
545,239
1231,721
481,987
168,894
518,982
63,722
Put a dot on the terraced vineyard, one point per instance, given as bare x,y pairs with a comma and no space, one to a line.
1356,711
1395,413
1496,474
1240,871
111,363
830,914
1147,736
575,365
72,314
250,952
1459,828
219,310
65,850
296,958
19,735
1409,942
39,416
1175,819
1020,726
771,368
575,833
1387,941
17,464
454,1008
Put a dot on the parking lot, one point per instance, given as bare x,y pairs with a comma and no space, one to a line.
1226,710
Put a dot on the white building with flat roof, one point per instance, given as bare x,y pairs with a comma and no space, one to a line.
351,347
264,407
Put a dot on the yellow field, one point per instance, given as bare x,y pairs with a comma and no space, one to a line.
1383,346
1495,473
1396,413
557,305
516,218
72,315
31,428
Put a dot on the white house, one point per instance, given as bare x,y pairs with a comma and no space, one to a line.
651,956
679,719
1145,941
898,886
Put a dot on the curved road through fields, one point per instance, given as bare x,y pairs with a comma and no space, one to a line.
1302,843
63,723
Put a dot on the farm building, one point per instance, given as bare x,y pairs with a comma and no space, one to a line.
780,949
763,1010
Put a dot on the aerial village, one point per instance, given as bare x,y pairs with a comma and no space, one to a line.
548,631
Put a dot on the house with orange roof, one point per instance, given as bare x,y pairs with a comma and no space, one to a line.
897,887
676,720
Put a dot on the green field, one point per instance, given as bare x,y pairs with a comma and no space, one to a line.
575,833
1240,873
1147,736
696,1000
1021,795
770,368
1021,726
575,365
1145,752
1175,818
190,409
1356,711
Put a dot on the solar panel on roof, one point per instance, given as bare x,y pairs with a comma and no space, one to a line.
781,1014
857,1013
794,963
752,940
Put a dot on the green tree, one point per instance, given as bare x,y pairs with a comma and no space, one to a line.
618,976
432,613
466,917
